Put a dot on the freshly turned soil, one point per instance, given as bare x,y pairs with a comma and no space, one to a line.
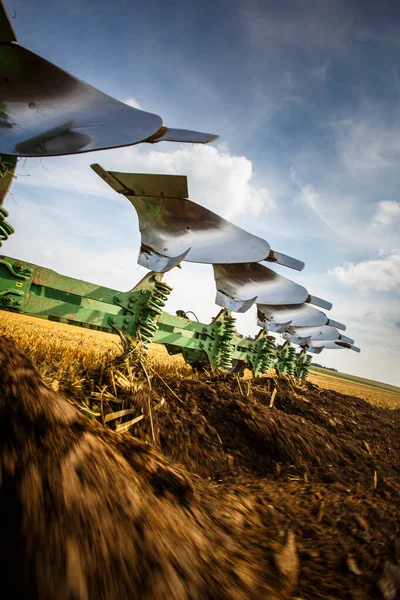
226,497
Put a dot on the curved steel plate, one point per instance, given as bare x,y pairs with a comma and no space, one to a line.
254,282
300,315
295,339
324,332
174,226
155,262
296,315
45,111
314,350
285,261
239,306
270,326
336,324
332,345
319,302
142,184
171,226
183,135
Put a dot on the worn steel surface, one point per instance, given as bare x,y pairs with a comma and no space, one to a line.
320,345
278,318
323,332
7,170
173,228
46,111
166,134
241,285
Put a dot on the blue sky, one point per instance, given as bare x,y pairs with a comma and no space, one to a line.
304,95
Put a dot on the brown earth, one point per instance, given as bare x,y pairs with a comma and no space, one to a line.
224,496
379,394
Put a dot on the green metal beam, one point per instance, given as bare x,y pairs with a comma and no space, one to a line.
41,292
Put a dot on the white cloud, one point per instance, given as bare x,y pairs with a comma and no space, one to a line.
388,213
381,274
217,179
133,102
366,144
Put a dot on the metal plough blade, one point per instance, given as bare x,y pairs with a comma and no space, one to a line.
314,350
240,285
319,302
270,326
284,260
165,134
278,318
330,345
323,332
45,111
173,228
311,335
295,339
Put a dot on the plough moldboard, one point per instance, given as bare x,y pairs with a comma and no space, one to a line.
45,111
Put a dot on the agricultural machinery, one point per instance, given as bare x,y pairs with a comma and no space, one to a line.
45,111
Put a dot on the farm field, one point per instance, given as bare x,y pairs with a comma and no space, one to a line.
289,490
48,342
378,393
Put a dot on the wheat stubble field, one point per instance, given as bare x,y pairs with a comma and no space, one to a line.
62,351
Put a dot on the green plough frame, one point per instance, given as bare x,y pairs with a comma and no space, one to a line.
38,291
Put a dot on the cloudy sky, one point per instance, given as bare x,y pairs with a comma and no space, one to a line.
304,95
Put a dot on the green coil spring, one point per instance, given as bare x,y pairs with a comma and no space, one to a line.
291,361
225,342
5,228
283,359
150,310
268,352
305,367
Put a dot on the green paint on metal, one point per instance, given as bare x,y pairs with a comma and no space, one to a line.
5,228
7,170
48,294
150,185
138,314
286,360
302,367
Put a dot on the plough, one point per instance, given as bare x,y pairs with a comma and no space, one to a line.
45,111
138,313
